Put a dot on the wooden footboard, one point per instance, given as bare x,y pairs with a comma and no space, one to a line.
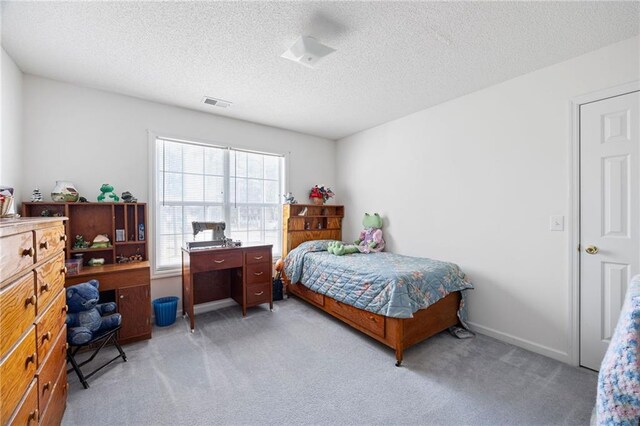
397,333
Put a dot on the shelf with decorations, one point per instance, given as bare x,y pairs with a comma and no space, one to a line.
123,224
302,222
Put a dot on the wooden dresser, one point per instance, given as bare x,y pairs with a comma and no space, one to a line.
33,338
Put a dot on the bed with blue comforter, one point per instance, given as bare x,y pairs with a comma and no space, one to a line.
383,283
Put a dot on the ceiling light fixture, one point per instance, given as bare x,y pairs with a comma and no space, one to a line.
307,51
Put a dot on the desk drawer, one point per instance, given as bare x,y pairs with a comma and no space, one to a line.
258,256
50,369
258,273
50,280
16,254
17,371
27,411
50,324
17,310
213,261
258,294
49,241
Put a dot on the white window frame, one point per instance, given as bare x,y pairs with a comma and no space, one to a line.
153,211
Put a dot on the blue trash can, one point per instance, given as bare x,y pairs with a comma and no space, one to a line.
165,309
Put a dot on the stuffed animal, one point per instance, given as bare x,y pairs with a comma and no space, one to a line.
370,238
85,317
106,191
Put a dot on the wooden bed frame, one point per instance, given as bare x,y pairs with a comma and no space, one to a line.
306,222
397,333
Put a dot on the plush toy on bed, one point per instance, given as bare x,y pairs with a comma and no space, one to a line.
370,238
85,317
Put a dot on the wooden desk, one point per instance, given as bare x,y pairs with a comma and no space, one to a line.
131,283
242,273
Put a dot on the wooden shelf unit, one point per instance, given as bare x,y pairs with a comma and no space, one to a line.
128,284
319,223
91,219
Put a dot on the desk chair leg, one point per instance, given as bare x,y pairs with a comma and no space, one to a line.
76,368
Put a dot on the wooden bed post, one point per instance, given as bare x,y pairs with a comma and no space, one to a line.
399,342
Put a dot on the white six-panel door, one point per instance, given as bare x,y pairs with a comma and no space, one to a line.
609,217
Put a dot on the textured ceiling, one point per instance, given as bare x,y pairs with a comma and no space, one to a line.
392,58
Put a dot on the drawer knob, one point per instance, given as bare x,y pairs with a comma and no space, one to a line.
372,318
44,287
46,386
63,237
47,336
31,358
258,257
259,294
45,245
66,346
32,300
122,296
63,270
219,261
28,252
258,273
65,309
33,415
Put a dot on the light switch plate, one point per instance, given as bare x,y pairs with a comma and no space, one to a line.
556,223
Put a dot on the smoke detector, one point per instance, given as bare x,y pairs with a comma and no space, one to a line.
307,51
216,102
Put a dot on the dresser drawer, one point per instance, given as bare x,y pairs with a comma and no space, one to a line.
306,294
258,294
212,261
16,254
49,241
50,278
258,256
17,310
259,272
27,412
50,369
17,371
49,324
55,409
367,320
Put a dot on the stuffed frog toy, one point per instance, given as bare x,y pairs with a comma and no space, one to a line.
370,239
106,192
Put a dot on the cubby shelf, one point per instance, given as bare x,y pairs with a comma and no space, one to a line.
322,222
92,219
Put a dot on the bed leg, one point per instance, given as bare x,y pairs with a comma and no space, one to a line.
399,352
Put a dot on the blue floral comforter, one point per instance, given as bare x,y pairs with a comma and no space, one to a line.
383,283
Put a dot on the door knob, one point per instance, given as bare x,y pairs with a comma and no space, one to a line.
591,249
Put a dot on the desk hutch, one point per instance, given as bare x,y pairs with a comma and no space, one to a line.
127,284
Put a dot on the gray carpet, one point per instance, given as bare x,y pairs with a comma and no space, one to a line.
297,365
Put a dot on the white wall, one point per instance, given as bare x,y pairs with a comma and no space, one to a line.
90,137
474,181
11,173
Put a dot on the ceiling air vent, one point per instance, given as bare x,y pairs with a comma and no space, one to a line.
216,102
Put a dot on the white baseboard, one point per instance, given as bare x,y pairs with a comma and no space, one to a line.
206,307
523,343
